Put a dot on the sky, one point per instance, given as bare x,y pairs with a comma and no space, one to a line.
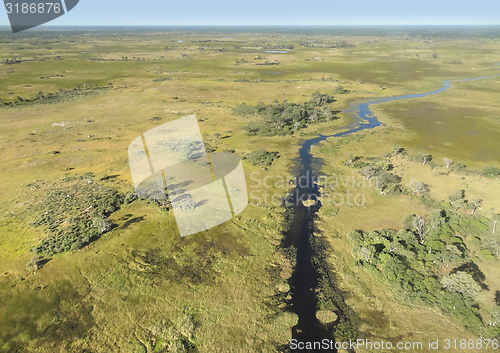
279,12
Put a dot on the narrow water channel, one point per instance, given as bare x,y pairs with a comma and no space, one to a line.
304,280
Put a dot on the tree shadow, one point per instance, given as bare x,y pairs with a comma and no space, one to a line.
43,262
179,186
109,177
132,221
497,297
472,269
201,203
126,217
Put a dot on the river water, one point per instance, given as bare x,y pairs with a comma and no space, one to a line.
304,280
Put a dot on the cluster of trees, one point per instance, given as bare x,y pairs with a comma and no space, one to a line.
491,172
380,176
268,63
11,61
64,95
277,46
385,181
261,157
161,79
74,213
378,171
282,118
219,50
342,44
340,90
427,262
337,44
450,164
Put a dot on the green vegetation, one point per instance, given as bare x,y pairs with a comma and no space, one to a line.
429,263
491,172
261,157
74,212
63,96
283,118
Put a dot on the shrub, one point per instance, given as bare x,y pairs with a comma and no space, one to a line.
491,172
261,157
74,212
282,118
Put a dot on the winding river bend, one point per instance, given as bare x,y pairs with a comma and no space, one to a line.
304,280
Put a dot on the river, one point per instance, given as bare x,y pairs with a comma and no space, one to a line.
304,280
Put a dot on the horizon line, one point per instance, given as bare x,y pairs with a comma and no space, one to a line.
261,25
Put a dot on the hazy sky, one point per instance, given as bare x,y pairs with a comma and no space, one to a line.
278,12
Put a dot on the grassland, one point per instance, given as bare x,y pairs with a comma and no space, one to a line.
141,285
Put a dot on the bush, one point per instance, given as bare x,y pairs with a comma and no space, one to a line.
491,172
283,118
261,157
74,212
416,270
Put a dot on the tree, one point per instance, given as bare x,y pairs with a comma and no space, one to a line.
459,203
493,243
417,187
496,219
102,224
495,317
462,283
368,171
474,205
459,195
314,116
436,219
448,162
340,90
366,254
419,225
321,99
452,254
385,180
35,262
459,167
395,150
423,157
